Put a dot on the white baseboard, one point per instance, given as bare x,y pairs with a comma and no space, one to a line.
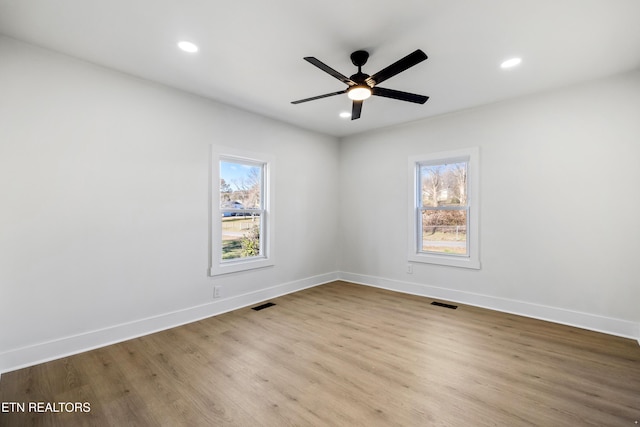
607,325
67,346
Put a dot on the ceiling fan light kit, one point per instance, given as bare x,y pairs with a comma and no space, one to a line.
359,93
362,86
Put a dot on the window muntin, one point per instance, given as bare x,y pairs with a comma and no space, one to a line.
443,208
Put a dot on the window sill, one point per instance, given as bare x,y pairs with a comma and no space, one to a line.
446,260
239,266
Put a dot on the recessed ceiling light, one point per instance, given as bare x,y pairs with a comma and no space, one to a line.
509,63
188,46
345,114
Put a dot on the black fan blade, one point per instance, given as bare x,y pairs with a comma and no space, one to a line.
397,67
356,110
324,67
326,95
402,96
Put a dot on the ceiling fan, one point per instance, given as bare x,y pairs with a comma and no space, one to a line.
362,86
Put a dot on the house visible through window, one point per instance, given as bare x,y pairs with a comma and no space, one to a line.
241,217
444,225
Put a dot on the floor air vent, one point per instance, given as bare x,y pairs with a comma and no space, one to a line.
441,304
263,306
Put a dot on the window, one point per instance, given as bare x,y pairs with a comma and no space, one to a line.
241,216
444,208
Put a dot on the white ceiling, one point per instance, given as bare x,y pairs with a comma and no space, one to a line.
251,50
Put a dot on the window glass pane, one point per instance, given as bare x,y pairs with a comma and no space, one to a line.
241,207
240,185
444,231
443,184
240,235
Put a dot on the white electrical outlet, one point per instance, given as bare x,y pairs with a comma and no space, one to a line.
409,268
217,291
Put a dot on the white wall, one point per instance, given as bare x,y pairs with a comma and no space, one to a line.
104,195
559,208
104,200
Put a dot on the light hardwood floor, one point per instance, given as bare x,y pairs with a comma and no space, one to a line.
344,355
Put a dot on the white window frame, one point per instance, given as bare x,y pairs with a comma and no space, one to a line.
472,258
266,257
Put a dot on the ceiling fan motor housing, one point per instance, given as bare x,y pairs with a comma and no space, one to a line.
360,79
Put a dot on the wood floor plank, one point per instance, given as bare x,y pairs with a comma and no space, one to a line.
344,355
